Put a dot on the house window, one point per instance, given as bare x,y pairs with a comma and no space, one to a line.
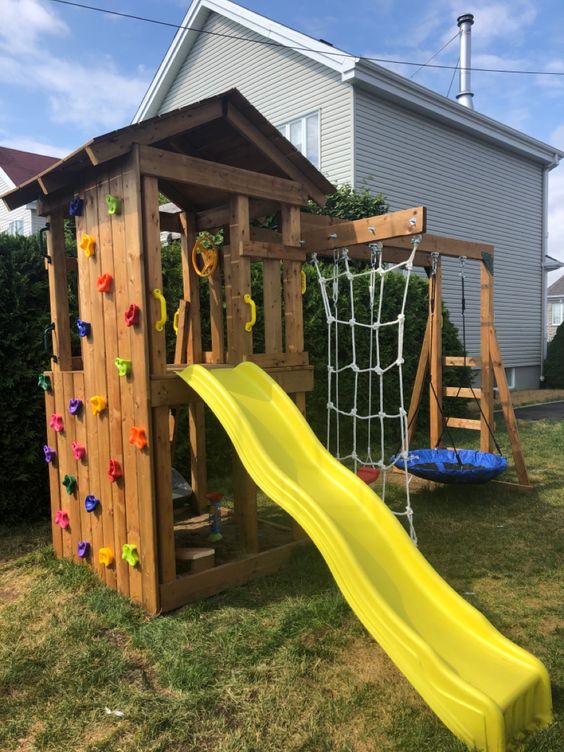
510,376
557,313
16,227
303,132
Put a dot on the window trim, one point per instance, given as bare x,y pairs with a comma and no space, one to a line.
284,128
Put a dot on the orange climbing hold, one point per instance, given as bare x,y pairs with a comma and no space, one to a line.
138,437
104,282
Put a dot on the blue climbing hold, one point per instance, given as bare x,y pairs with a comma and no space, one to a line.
83,328
75,406
75,207
91,502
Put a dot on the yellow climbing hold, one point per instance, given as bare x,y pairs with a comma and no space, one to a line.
88,245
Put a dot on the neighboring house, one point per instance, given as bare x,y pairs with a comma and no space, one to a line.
15,168
367,126
555,307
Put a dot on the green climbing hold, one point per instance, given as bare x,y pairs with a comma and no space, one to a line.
44,382
69,482
113,204
130,554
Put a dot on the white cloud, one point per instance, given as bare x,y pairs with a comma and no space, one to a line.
24,21
92,94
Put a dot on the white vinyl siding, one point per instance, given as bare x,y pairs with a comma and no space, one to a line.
473,190
283,85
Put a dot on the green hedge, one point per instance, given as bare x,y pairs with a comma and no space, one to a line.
554,363
24,314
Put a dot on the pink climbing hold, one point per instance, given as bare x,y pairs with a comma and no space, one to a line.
56,422
62,519
78,450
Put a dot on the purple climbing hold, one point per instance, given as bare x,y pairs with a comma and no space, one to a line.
91,502
50,453
75,406
75,207
83,328
83,549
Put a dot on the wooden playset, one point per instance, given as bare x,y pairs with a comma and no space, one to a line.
108,402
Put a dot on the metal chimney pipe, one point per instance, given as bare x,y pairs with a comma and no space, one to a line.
465,25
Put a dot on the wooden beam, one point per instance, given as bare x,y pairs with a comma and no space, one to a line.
460,360
247,129
436,357
463,423
58,293
205,174
245,506
463,392
261,250
193,587
419,383
211,219
368,230
154,130
507,408
486,372
447,246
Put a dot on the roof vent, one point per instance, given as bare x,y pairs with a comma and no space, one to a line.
465,95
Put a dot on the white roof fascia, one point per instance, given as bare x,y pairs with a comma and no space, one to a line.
195,19
415,97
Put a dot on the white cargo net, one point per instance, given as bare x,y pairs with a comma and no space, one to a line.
342,279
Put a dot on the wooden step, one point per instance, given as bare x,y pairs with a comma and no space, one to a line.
474,425
459,360
200,558
466,392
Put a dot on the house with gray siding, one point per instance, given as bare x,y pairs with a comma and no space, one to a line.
16,167
365,125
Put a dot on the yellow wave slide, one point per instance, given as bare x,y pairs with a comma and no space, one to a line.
484,688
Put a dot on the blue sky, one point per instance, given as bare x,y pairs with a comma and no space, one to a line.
68,74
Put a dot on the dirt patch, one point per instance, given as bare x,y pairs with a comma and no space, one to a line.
14,585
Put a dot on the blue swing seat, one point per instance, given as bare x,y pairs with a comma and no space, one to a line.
448,466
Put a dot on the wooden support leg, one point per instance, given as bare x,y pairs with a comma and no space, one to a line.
507,407
245,502
198,468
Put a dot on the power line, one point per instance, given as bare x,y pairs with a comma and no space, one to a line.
334,53
435,55
452,79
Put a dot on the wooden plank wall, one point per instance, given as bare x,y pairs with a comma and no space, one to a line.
126,512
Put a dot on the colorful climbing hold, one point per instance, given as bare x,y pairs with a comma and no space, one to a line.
91,502
50,453
44,382
123,366
114,471
138,437
88,244
62,519
104,282
78,450
106,556
83,549
75,207
75,406
56,422
98,404
83,328
69,482
214,516
113,203
132,315
130,554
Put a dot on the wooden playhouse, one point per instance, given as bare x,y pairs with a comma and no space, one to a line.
109,392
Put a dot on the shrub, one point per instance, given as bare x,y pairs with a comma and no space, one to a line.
554,363
24,314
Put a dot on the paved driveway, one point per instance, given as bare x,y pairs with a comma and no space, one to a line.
548,411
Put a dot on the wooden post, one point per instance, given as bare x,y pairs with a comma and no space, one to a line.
157,350
507,407
58,292
436,355
486,374
196,414
245,503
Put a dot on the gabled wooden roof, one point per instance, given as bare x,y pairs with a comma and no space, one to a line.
225,128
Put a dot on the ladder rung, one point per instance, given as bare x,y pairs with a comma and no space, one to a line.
459,360
474,425
455,391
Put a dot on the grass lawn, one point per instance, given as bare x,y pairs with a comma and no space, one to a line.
281,664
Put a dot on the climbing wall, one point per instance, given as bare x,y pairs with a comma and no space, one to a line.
99,421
